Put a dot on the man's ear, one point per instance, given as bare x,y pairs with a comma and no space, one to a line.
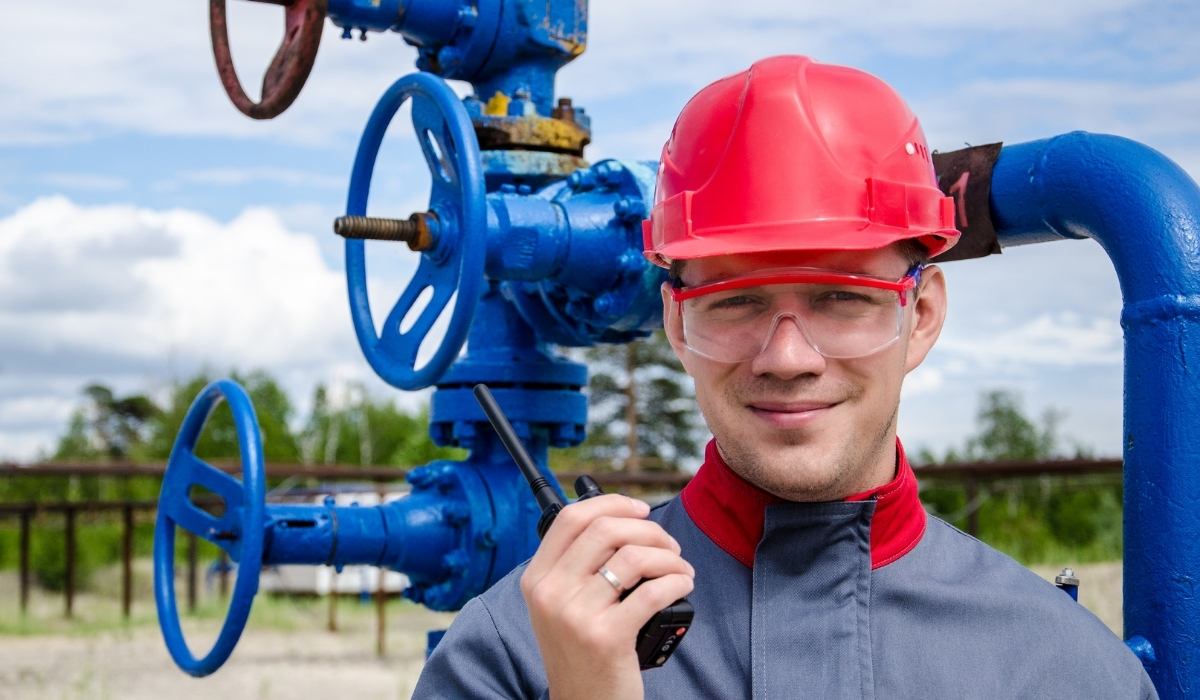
673,326
928,315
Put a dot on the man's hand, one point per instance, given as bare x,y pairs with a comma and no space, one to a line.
586,633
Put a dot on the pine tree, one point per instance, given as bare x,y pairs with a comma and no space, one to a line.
639,384
108,427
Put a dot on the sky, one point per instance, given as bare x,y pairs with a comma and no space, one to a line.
149,231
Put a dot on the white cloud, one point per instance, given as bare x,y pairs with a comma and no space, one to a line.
1066,66
136,298
1024,108
129,296
925,379
641,142
1006,291
1041,321
35,411
128,65
1063,338
102,72
692,42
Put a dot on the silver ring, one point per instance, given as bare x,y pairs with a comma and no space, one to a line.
612,579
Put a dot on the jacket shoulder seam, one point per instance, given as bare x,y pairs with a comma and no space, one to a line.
503,642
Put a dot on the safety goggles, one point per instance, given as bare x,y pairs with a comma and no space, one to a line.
840,315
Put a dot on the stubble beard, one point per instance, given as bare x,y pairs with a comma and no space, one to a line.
844,472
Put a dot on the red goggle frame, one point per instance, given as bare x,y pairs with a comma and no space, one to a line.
806,275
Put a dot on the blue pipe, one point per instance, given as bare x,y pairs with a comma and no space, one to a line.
410,535
1144,210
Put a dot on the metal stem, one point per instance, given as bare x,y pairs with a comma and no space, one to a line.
414,231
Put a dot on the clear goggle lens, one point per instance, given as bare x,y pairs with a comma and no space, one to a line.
840,319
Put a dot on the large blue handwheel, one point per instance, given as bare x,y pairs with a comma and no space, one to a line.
454,263
238,530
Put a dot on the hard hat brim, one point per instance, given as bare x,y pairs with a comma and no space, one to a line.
798,236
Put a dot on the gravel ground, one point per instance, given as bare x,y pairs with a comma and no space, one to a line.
285,652
135,665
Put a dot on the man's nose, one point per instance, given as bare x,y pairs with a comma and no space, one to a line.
787,352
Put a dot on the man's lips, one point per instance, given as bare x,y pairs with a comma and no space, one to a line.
790,414
790,406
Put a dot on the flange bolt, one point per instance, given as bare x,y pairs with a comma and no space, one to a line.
608,173
1067,577
629,209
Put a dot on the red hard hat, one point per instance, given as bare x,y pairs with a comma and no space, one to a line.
795,155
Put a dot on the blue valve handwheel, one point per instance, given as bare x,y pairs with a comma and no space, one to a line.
454,264
238,531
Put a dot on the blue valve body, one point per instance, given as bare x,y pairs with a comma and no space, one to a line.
451,544
373,15
500,46
560,264
550,254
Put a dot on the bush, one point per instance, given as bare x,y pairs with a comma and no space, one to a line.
1049,520
96,544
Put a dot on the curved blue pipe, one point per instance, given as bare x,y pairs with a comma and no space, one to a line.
1144,210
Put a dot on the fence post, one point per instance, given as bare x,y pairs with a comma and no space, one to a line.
972,486
126,560
331,623
381,603
70,514
380,615
26,516
191,572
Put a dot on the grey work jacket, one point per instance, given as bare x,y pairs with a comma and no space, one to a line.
810,617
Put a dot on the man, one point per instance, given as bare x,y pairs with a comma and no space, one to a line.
796,208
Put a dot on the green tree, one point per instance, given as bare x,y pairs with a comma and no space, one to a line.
1004,433
643,385
1048,518
360,429
105,428
77,443
272,407
108,427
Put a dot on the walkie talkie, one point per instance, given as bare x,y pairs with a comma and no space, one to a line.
660,636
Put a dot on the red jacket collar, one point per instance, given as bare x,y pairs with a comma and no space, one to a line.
730,510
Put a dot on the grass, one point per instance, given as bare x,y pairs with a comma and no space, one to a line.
98,610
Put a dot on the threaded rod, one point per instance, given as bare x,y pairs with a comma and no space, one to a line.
376,229
415,231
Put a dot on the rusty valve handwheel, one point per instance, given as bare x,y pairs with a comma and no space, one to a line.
304,20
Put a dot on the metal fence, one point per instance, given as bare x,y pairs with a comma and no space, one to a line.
975,478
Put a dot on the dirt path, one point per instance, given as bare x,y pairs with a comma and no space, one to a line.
133,663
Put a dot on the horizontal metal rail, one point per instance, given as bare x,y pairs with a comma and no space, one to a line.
660,479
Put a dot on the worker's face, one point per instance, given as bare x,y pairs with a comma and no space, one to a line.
795,423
